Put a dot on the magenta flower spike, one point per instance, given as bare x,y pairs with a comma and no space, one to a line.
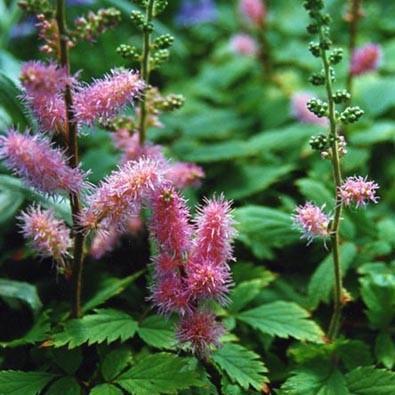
39,164
120,196
170,222
49,236
366,59
244,44
358,190
311,221
300,111
254,11
105,97
200,330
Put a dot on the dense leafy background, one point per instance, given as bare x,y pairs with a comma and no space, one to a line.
238,126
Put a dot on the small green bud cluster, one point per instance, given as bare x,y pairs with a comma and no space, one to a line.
341,96
163,42
37,7
315,49
118,122
170,103
319,143
160,6
90,27
317,107
138,19
324,143
351,115
336,56
159,57
317,79
129,52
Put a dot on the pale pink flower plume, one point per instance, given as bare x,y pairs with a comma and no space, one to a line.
104,242
134,225
170,225
120,196
311,221
244,44
214,233
200,330
49,236
254,11
39,164
300,111
105,97
170,295
358,190
182,174
365,59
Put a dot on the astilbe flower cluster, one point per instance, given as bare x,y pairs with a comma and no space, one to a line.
48,236
192,265
39,163
358,190
365,59
254,11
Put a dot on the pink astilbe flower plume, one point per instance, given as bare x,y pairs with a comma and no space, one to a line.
358,190
183,175
254,11
170,222
200,330
300,111
244,44
365,59
49,236
214,232
104,242
39,164
311,221
104,98
120,196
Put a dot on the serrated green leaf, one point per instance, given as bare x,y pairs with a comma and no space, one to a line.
321,282
370,381
241,365
9,204
105,389
16,382
315,379
244,293
37,333
263,229
115,362
22,291
157,332
161,373
354,353
105,325
283,319
108,288
64,386
246,271
385,349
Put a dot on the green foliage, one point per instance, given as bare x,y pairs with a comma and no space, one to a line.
66,386
241,365
105,389
283,319
115,362
22,383
105,325
158,374
157,332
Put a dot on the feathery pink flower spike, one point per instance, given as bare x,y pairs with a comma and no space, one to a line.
300,111
244,44
358,190
365,59
49,236
120,196
311,221
42,166
182,174
254,11
105,97
201,330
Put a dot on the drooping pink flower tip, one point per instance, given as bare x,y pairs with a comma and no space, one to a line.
106,96
104,242
358,190
183,175
244,44
366,59
254,11
300,111
201,331
311,221
40,164
48,235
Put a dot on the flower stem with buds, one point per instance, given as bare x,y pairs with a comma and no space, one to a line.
72,149
145,68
